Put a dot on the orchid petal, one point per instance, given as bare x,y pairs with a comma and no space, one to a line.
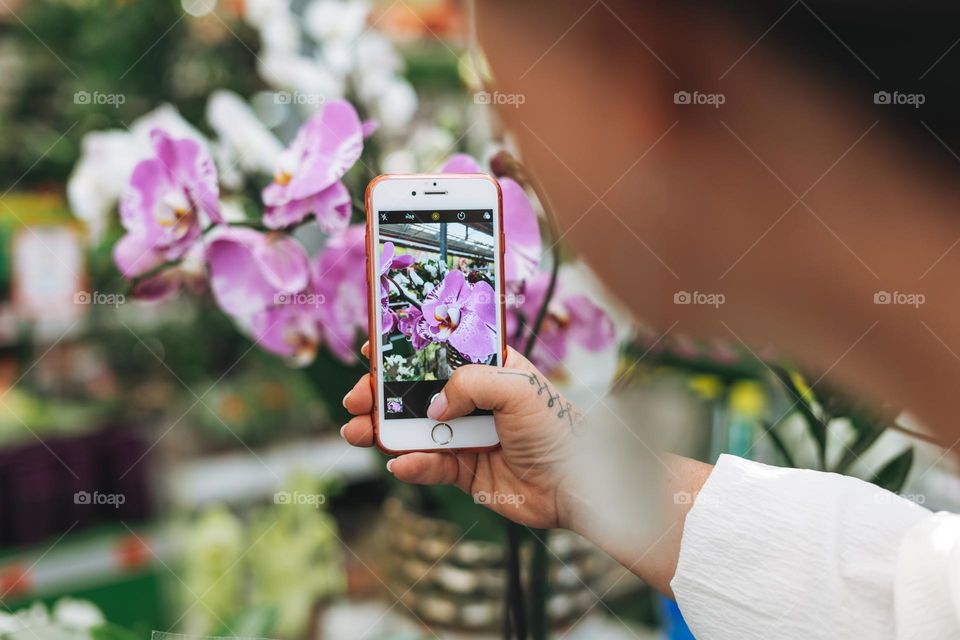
190,166
286,331
282,261
159,287
590,326
461,163
521,231
236,276
134,256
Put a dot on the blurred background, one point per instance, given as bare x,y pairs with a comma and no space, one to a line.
162,470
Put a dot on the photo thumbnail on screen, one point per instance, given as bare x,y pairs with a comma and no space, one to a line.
438,302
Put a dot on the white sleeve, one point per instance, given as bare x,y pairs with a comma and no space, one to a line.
792,554
927,593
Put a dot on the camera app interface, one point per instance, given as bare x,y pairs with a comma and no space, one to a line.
437,302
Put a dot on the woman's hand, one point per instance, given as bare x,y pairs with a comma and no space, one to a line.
522,480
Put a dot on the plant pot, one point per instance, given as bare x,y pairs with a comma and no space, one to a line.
447,580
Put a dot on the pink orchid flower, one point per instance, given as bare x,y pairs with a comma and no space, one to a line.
289,330
409,325
520,227
389,262
569,318
190,272
169,197
461,315
340,274
308,173
250,271
264,280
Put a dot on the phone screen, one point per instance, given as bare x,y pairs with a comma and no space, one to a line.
438,302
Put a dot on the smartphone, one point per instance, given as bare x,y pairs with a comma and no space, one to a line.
435,280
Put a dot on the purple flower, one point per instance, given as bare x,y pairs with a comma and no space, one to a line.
288,330
410,325
389,262
251,271
308,174
264,281
520,227
462,315
166,283
388,318
167,200
340,274
572,318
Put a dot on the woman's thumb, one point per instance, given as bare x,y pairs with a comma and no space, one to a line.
478,386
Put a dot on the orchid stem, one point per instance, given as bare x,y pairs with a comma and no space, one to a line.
404,295
540,561
160,268
542,312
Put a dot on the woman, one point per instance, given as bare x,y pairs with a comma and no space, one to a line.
797,158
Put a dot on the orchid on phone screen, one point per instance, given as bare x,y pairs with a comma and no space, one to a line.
388,262
169,197
308,173
462,315
409,325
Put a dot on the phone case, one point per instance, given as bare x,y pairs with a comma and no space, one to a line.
373,303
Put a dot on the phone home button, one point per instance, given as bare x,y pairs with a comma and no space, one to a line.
442,433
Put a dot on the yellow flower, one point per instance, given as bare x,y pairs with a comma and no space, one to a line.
805,391
747,398
706,386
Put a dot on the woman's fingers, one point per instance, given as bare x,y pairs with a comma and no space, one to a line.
359,400
435,468
365,349
477,386
359,431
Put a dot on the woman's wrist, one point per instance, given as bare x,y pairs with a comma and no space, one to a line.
650,555
570,508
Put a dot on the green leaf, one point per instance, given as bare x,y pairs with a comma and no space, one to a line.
894,474
780,445
254,622
867,434
816,426
109,631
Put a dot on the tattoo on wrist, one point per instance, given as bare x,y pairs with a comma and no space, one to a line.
565,408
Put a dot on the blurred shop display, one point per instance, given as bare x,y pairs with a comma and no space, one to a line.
72,484
763,410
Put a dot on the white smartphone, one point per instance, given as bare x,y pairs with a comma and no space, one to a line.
435,280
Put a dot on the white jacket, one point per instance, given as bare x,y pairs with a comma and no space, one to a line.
797,554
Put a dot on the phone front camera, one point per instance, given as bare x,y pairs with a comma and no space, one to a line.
413,193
